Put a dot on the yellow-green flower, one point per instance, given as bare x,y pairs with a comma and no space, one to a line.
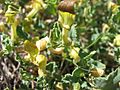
74,53
41,62
31,49
36,6
116,41
11,19
113,6
66,19
42,43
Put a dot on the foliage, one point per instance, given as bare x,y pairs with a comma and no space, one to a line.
61,49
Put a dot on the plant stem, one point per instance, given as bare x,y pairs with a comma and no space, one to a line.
13,32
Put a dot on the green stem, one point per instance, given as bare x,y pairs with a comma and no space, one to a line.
94,42
13,32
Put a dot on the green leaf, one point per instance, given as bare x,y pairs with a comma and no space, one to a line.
23,2
73,33
51,9
67,78
110,82
116,18
52,67
39,24
118,1
96,40
89,55
51,1
97,64
55,35
78,72
21,33
7,45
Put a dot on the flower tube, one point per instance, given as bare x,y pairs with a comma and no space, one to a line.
36,6
10,15
66,18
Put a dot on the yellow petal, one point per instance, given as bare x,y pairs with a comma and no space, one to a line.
74,53
66,19
30,48
41,73
42,43
41,61
116,41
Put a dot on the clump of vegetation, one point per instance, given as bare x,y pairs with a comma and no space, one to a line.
59,45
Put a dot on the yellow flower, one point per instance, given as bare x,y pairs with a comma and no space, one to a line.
41,72
66,19
13,31
41,62
74,53
116,41
10,15
30,48
36,6
42,43
113,6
